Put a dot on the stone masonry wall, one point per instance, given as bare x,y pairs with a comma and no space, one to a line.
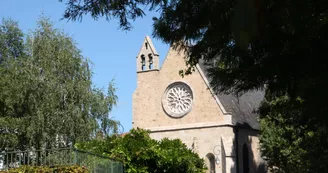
251,139
204,140
147,98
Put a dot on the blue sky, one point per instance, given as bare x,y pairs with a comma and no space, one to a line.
111,50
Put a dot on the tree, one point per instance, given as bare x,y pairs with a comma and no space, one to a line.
292,141
11,40
11,47
277,46
140,153
46,95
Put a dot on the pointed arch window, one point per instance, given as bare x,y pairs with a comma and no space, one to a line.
210,163
143,62
150,57
245,159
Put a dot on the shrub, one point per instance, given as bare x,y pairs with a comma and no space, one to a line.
47,169
142,154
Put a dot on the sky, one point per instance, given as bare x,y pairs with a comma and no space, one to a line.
111,50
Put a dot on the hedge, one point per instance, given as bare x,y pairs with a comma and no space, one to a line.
47,169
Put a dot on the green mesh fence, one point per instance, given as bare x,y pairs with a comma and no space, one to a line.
60,157
96,163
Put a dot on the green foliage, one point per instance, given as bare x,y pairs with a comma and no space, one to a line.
140,153
123,10
11,40
44,169
278,46
291,141
46,95
96,162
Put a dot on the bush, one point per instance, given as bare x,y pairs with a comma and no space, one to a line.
141,154
47,169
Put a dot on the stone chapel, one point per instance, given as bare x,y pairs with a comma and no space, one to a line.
222,129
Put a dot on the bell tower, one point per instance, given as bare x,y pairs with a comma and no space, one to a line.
148,58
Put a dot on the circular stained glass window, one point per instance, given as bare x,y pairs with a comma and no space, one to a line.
177,99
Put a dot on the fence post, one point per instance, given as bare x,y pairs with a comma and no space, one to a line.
94,164
75,155
70,155
7,160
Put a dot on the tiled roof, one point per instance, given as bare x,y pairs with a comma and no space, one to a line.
242,108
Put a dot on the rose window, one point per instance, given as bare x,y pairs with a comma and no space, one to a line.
177,99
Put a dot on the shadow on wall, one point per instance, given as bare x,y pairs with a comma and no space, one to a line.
244,156
255,166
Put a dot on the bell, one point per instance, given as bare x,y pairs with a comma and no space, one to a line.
150,56
143,62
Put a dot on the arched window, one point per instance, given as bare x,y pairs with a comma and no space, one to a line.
245,159
150,56
143,62
210,163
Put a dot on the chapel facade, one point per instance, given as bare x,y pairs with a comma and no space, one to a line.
222,129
